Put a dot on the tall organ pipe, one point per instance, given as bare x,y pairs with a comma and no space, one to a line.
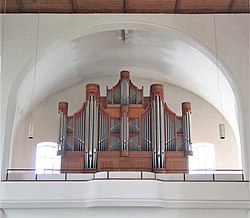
162,131
145,130
100,133
96,134
87,136
124,131
186,113
153,134
158,127
60,131
149,132
63,113
91,127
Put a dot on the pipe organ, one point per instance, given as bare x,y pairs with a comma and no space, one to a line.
124,130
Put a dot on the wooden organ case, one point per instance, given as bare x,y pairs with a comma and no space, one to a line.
124,131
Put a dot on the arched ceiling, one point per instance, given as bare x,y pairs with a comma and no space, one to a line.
149,55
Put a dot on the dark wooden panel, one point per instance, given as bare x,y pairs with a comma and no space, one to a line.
137,160
72,163
240,6
11,6
74,154
172,154
48,8
151,6
100,6
113,110
176,162
201,5
126,6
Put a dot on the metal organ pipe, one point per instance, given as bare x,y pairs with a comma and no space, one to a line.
167,135
60,147
100,133
127,135
153,134
91,140
149,132
162,131
90,145
158,131
186,113
122,132
87,135
63,113
145,130
95,133
82,132
157,127
189,130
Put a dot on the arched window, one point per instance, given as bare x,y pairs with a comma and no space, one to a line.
46,158
203,158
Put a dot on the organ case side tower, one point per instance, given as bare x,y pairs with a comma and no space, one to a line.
124,130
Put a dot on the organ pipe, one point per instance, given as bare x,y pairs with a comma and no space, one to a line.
186,114
91,127
124,131
158,127
63,112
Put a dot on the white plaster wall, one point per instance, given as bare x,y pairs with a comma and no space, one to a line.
125,198
125,212
205,120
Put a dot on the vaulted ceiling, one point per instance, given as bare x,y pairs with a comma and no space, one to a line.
125,6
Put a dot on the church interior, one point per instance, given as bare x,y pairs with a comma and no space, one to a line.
125,108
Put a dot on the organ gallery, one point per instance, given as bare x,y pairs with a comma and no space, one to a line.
124,130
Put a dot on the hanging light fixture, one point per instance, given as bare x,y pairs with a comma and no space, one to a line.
31,124
222,124
222,130
31,131
124,35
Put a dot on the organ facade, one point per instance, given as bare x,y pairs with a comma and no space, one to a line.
124,130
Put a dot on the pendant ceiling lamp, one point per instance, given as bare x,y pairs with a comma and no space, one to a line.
31,124
222,124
